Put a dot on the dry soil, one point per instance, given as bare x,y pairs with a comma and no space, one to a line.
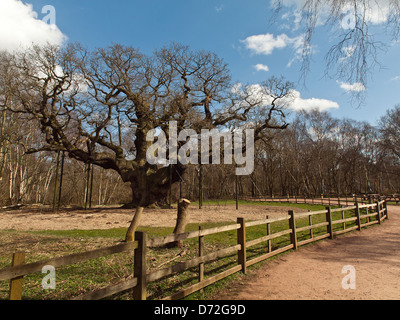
316,272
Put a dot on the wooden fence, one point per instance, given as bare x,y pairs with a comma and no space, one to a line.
329,200
300,234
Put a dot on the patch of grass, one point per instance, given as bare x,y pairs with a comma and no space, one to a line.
307,206
117,233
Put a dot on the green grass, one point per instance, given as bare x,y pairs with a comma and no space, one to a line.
259,203
97,273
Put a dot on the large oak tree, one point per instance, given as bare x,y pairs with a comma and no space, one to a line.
100,105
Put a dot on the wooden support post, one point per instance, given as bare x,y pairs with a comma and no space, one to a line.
201,253
329,227
344,223
61,180
87,186
310,224
292,226
200,186
269,248
91,185
378,212
139,292
181,221
386,210
237,191
358,216
170,187
56,181
16,283
241,239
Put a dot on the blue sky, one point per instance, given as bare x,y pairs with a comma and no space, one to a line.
238,31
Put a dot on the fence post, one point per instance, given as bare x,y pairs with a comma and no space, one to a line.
344,223
16,283
268,233
378,212
241,239
329,227
201,252
310,224
292,226
139,292
237,191
386,210
358,216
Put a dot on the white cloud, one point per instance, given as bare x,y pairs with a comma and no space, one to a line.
261,67
294,18
396,78
266,43
294,101
355,87
20,27
298,103
219,8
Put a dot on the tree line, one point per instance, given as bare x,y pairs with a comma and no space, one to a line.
316,155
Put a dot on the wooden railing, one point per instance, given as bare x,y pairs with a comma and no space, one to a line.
16,273
299,233
329,200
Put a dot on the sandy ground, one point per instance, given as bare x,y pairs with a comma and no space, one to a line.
314,272
105,218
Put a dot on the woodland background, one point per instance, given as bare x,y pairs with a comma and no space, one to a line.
317,154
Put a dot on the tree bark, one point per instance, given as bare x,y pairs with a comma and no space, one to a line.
181,220
130,234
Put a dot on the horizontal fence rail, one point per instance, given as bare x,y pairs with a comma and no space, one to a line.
299,228
330,200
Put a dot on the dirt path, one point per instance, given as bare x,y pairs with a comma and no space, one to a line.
315,271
